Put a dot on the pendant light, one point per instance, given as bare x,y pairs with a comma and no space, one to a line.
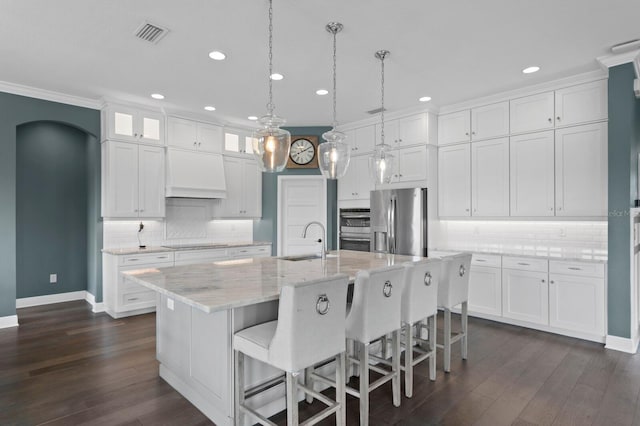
382,163
334,154
271,143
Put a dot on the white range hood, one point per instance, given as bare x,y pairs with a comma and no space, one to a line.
192,174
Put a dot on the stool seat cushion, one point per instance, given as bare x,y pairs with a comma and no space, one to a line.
254,341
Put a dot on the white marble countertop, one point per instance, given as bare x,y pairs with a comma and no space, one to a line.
203,246
217,286
565,254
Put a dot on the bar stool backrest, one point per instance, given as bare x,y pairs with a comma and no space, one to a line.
377,297
420,295
311,323
454,280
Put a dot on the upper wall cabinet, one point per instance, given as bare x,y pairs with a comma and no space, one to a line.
406,131
532,113
454,181
490,177
132,125
581,103
490,121
194,135
238,141
411,164
244,189
356,184
454,127
362,139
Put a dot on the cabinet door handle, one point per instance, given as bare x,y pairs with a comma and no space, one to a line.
195,143
466,210
550,120
552,282
550,208
466,133
199,143
473,133
558,118
141,210
559,209
543,281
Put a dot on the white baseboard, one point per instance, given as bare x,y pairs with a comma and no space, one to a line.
10,321
621,344
95,307
27,302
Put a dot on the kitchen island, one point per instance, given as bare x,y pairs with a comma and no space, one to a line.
200,307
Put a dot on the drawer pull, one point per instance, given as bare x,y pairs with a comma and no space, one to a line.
243,251
480,260
131,299
573,268
161,257
523,264
132,260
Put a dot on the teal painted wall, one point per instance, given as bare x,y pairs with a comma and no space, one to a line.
624,141
14,111
51,208
265,229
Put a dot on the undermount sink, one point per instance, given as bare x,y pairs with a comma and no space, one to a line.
306,257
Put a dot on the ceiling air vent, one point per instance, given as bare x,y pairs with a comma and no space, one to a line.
150,32
376,111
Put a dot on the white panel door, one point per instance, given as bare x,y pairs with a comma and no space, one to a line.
233,174
490,177
525,296
577,303
301,199
122,180
151,127
532,174
151,180
582,170
412,130
454,181
490,121
363,184
182,133
531,113
252,190
582,103
413,164
209,137
454,127
348,184
485,290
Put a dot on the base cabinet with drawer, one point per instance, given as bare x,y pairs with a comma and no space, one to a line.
124,298
485,285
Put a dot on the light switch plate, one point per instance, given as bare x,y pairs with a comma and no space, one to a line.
53,278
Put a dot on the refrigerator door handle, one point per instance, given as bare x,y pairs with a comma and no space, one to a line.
392,225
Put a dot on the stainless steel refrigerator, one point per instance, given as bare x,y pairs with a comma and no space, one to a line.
399,221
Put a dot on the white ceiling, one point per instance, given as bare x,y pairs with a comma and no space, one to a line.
450,50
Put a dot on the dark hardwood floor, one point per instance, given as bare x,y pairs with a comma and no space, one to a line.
67,366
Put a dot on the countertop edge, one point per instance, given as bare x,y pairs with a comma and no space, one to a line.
161,249
530,256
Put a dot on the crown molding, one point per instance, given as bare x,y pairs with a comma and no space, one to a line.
49,95
527,90
613,60
375,119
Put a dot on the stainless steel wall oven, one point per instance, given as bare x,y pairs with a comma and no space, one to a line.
355,229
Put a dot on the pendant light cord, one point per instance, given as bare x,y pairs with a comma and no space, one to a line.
270,106
382,93
335,92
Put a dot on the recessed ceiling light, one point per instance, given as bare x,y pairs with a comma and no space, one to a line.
425,99
530,70
276,76
157,96
252,117
322,92
217,55
210,108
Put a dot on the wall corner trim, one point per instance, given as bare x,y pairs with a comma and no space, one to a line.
10,321
49,95
621,344
95,307
48,299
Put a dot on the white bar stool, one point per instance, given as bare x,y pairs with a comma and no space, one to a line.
419,302
310,328
452,291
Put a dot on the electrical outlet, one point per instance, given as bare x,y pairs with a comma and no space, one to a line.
170,304
53,278
563,232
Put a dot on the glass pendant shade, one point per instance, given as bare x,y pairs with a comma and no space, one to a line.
382,165
334,155
271,144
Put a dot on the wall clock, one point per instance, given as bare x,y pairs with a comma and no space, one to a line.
303,153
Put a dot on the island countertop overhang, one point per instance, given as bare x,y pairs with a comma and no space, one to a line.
223,285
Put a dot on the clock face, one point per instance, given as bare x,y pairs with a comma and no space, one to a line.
302,151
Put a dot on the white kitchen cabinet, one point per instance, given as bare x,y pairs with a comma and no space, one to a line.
454,127
490,121
532,113
129,124
406,131
454,181
362,140
244,189
238,141
581,103
490,177
250,251
525,291
485,286
577,297
132,180
194,135
532,175
125,298
581,154
411,164
356,184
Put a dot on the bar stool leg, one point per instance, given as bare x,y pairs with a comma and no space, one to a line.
384,353
447,340
465,325
363,349
408,361
308,382
395,382
238,363
341,394
433,322
292,399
